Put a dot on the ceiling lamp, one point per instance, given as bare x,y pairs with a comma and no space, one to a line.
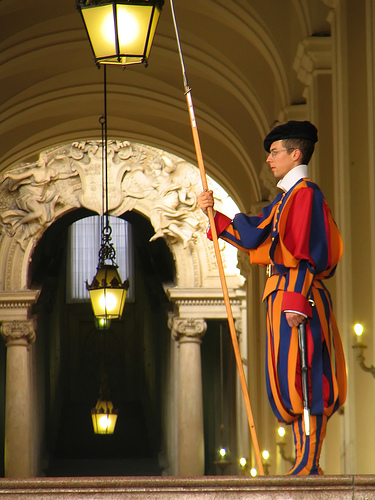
120,32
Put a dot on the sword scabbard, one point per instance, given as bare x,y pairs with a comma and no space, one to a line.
304,376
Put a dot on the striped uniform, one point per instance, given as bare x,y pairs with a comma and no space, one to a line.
297,234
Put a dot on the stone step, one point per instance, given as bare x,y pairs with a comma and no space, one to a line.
206,488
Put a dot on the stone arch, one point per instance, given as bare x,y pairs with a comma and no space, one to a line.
159,185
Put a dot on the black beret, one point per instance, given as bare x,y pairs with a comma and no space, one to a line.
291,130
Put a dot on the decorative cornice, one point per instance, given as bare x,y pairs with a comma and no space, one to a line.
15,306
205,302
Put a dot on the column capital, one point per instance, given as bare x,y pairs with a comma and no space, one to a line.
187,329
18,332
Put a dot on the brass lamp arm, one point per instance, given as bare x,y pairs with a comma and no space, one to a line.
360,347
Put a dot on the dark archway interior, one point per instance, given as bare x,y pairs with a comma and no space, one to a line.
72,353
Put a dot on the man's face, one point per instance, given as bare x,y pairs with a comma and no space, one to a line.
279,160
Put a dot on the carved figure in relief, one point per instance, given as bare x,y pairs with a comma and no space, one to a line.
37,193
173,208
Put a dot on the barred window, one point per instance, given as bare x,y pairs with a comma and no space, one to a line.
84,240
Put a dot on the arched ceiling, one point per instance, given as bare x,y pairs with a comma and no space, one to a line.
239,59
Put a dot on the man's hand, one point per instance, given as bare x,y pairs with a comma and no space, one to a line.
205,200
295,319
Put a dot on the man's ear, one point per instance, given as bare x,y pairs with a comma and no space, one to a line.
297,154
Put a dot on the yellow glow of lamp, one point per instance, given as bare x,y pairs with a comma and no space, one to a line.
104,417
107,292
120,32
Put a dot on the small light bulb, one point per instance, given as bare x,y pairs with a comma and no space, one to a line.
358,329
107,301
243,461
223,452
265,454
103,422
253,472
281,431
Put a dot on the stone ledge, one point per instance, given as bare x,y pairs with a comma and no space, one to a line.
206,488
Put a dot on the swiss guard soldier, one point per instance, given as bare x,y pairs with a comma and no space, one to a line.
298,241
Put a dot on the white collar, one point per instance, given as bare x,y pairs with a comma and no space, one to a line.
293,176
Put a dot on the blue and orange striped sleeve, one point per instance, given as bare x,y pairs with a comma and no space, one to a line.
246,232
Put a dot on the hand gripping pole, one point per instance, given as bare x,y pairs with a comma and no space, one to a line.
210,212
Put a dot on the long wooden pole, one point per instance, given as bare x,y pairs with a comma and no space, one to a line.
210,212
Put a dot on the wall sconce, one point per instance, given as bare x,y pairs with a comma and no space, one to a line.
120,32
243,463
281,446
266,464
223,458
359,347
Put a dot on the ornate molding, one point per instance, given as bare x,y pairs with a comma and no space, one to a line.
206,302
314,55
16,306
161,185
187,329
18,332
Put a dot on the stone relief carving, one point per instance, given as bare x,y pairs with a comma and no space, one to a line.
173,208
171,187
30,193
86,160
158,184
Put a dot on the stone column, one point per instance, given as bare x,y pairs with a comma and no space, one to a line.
188,333
18,332
18,335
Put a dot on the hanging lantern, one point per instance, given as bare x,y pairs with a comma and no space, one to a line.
120,32
107,293
104,417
